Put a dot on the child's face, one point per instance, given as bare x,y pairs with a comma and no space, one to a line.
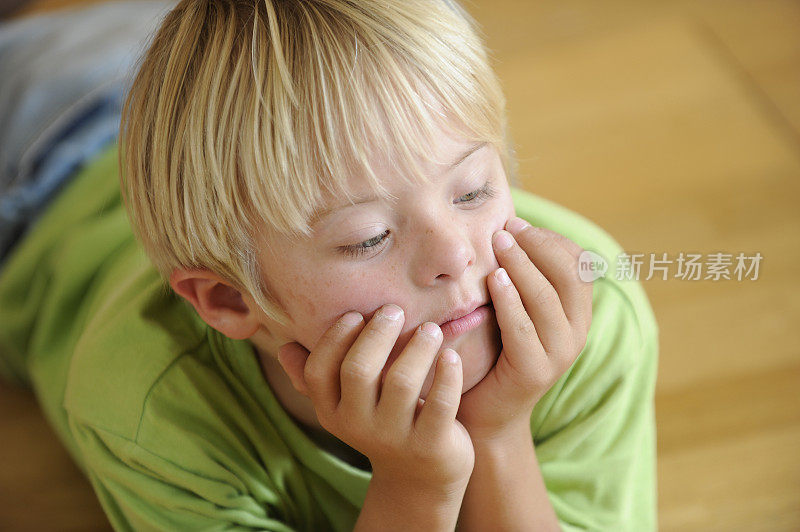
430,254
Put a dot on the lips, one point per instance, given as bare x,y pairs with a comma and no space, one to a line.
461,311
470,321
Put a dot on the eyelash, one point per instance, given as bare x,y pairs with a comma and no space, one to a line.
486,192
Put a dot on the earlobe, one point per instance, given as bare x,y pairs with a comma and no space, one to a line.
219,304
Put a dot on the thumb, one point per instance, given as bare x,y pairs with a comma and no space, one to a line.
292,358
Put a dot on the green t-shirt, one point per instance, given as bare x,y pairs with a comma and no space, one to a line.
176,428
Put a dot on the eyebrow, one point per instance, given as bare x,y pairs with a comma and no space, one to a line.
472,149
369,199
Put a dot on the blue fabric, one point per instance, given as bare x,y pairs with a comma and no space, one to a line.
63,79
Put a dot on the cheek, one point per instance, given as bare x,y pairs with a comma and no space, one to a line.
317,300
505,211
495,220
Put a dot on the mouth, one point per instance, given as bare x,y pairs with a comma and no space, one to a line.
463,312
467,322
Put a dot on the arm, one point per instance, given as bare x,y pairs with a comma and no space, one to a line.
544,311
594,428
593,433
421,464
502,469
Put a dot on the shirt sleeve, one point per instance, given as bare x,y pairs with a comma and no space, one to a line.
140,490
594,431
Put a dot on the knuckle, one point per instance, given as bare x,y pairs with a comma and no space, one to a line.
312,373
441,400
399,380
523,324
354,370
545,294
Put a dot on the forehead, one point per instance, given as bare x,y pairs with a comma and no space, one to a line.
448,153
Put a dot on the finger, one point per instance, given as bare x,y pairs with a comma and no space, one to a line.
582,318
361,368
399,395
322,367
538,296
572,248
441,404
292,358
547,249
521,341
516,224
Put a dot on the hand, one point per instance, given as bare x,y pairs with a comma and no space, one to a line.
544,316
405,438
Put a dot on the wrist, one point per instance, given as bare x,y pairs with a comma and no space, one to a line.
512,438
400,504
440,493
507,464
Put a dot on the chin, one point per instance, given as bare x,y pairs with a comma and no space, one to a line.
476,366
478,353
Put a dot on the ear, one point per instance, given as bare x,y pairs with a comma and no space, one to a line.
217,302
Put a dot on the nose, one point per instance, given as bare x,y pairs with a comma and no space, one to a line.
447,250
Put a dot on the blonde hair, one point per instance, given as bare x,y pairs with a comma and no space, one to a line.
244,113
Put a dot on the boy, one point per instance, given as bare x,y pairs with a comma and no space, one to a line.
251,142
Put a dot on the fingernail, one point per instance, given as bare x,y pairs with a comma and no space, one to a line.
351,319
393,312
430,328
517,224
450,356
502,276
503,240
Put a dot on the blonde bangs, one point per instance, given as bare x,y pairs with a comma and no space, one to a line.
245,116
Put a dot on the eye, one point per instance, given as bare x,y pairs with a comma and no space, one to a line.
357,250
485,192
476,196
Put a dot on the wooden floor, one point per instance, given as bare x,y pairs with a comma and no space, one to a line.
676,127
